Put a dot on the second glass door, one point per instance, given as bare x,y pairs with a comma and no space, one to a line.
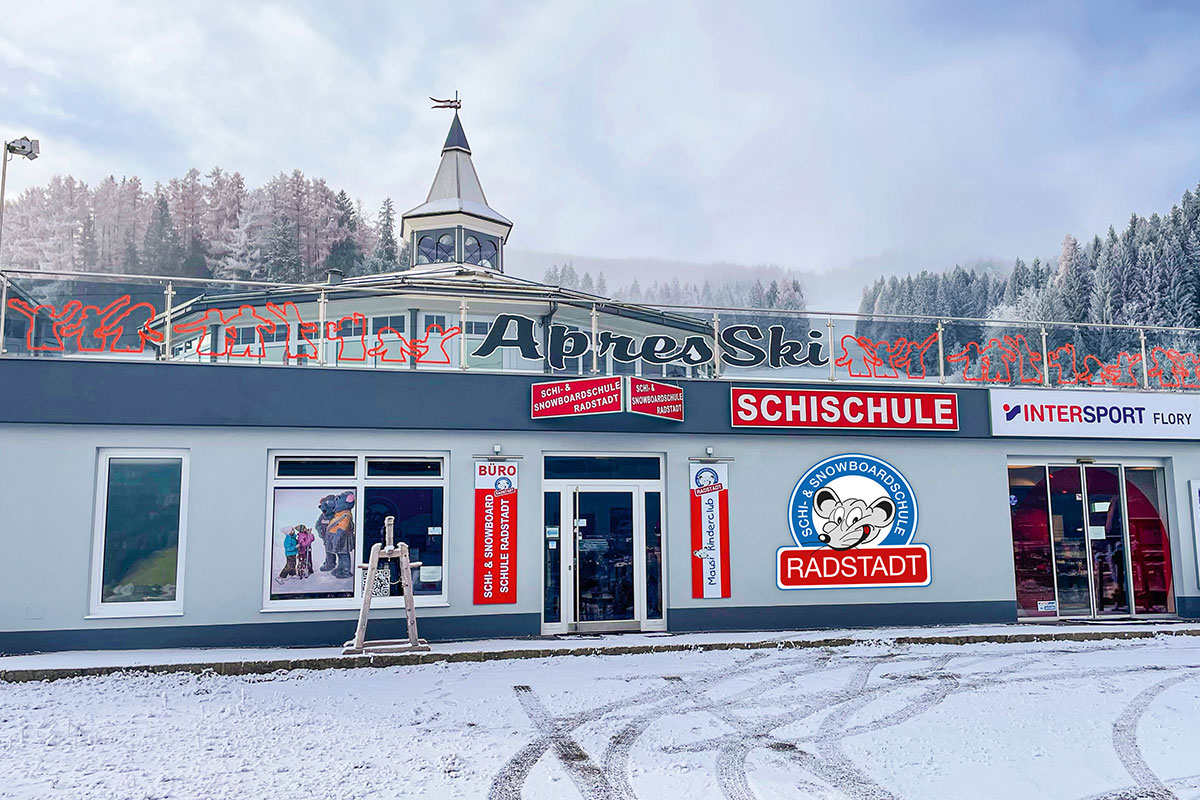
1090,540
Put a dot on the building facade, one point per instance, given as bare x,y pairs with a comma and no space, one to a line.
212,471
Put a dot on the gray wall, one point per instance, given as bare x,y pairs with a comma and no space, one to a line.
48,479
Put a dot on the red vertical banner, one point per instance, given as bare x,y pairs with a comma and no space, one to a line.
709,484
495,532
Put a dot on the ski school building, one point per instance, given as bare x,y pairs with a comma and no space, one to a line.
190,463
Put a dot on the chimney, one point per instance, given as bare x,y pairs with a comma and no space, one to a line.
334,276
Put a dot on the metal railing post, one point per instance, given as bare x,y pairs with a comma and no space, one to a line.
3,314
595,340
832,360
462,333
1045,359
716,345
1145,365
169,294
323,334
941,354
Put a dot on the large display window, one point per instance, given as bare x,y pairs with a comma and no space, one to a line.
327,511
1090,540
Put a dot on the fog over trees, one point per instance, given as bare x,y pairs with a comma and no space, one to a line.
754,287
291,229
1146,274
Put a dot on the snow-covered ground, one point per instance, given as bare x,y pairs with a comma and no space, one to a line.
1109,719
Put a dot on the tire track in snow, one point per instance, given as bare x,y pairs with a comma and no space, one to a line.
509,781
1124,737
583,772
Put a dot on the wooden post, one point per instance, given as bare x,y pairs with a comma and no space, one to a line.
360,634
410,611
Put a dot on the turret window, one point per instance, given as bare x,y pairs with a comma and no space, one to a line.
481,250
445,247
426,252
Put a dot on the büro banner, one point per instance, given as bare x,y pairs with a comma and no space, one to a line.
495,532
576,398
1094,414
709,484
853,518
828,408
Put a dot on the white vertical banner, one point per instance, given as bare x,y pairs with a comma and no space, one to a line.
709,485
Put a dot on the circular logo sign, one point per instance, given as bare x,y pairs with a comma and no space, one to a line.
706,476
852,500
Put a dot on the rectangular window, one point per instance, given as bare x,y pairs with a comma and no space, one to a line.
552,518
140,530
418,513
403,468
349,328
434,319
1150,546
1033,559
630,468
396,323
314,467
478,328
327,511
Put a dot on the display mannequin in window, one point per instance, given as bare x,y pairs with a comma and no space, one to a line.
327,508
339,537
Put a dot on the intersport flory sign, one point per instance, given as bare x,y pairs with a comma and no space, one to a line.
1094,414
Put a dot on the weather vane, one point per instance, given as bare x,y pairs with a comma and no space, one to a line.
455,103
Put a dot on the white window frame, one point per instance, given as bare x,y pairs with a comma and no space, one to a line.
145,608
360,482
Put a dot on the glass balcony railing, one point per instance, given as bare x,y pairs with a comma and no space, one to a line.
421,321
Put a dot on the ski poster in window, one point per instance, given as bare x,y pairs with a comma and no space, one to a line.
495,532
709,487
313,543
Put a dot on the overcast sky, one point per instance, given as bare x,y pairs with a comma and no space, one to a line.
808,135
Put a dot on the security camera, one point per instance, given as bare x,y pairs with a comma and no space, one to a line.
30,148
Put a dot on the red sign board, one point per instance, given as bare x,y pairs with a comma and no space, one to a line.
495,532
827,408
822,568
575,398
655,399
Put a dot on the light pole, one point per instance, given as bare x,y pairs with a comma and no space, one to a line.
30,148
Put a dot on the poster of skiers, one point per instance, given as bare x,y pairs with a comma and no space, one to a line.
313,547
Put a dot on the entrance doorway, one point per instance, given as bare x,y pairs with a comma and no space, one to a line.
1090,540
602,545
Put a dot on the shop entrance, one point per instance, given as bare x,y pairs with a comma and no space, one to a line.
1090,540
602,544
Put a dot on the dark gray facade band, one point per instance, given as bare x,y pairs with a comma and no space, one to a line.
856,615
325,633
71,391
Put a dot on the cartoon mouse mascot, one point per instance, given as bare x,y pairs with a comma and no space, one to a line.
339,536
851,522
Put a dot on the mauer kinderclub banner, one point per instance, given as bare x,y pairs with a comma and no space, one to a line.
495,532
710,530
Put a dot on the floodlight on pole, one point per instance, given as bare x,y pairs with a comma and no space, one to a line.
29,148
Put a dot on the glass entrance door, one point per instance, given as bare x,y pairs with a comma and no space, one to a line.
604,569
1073,550
603,558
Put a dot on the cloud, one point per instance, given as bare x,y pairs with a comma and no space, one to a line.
801,134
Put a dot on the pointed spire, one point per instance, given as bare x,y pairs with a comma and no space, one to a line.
456,139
